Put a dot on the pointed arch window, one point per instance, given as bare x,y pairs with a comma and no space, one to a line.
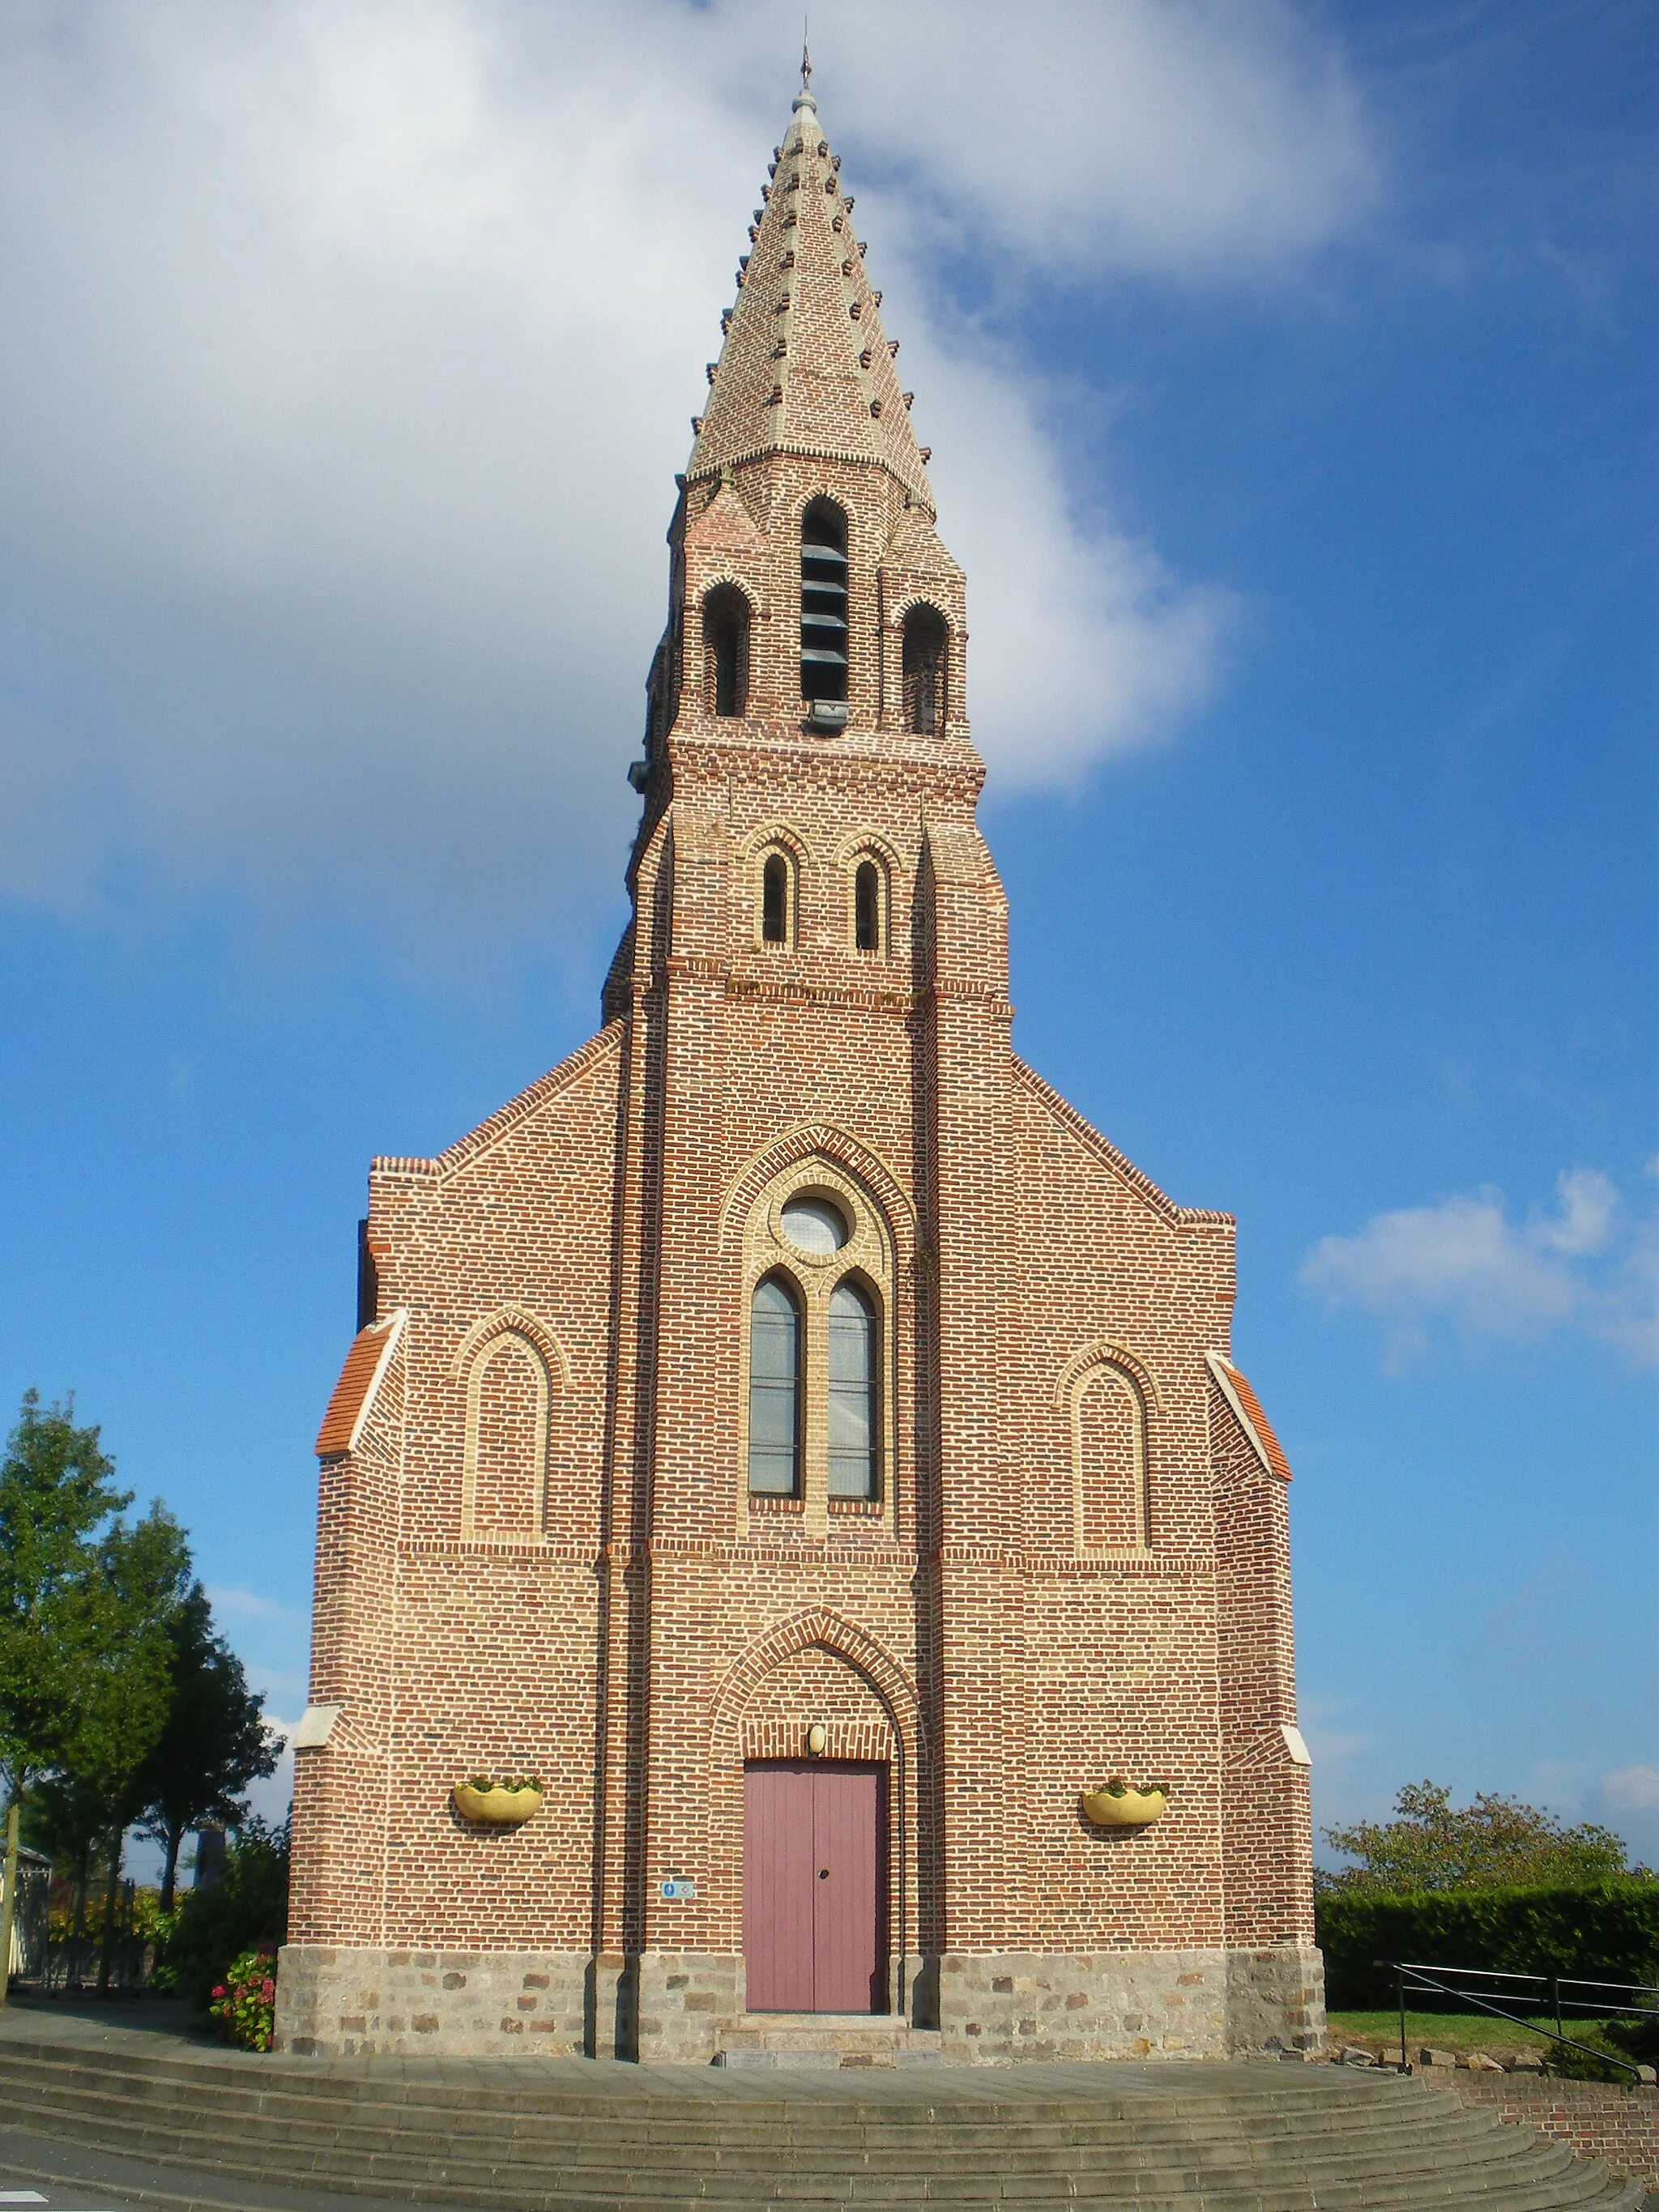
867,905
726,651
854,1433
926,641
775,1340
823,602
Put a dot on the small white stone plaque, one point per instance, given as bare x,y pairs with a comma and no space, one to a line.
316,1726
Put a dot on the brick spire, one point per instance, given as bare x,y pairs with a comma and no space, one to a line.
805,367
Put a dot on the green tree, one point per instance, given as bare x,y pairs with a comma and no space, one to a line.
125,1613
1495,1843
56,1491
215,1741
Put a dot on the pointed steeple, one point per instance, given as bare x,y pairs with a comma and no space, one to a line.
806,367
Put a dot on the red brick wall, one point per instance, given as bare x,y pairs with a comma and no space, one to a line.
541,1556
1598,2120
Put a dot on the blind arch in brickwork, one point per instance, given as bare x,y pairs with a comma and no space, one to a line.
511,1365
1106,1395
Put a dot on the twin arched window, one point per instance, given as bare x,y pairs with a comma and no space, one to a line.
836,1410
777,1399
777,901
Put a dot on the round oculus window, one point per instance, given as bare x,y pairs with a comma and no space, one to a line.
813,1225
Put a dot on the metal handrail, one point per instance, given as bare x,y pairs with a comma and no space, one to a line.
1552,1987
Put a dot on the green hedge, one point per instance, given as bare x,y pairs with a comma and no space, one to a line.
1607,1931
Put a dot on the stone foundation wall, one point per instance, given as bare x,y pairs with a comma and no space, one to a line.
994,2008
1275,1999
337,2002
684,1998
678,2007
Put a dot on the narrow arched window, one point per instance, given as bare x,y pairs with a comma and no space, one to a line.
855,1447
866,906
775,899
926,643
823,602
726,651
775,1389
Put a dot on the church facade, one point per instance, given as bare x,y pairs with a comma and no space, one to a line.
788,1434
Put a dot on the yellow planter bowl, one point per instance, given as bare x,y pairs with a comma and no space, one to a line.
1135,1808
503,1807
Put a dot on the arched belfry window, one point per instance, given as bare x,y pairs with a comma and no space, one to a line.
927,642
774,1339
854,1433
823,602
726,651
777,902
867,904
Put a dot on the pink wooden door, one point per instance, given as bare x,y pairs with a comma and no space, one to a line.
814,1874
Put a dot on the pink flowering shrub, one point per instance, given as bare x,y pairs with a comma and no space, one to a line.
245,2002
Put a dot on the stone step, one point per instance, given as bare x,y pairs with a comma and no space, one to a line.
353,2124
820,2041
805,2177
529,2137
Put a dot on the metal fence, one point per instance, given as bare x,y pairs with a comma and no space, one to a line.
1520,1999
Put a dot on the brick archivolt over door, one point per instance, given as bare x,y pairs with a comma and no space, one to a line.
818,1667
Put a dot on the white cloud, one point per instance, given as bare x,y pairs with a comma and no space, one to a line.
1627,1799
346,352
247,1604
1463,1261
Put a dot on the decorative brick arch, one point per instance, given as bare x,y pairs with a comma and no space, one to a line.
1101,1353
830,1631
779,834
855,1158
515,1320
860,844
1121,1366
724,576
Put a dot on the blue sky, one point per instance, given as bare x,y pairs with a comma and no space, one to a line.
1289,375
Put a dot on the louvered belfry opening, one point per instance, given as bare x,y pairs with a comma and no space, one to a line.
926,639
823,602
725,650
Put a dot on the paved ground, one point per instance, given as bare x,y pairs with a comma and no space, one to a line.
165,2023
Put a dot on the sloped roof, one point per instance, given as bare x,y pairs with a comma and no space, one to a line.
1258,1428
806,367
360,1378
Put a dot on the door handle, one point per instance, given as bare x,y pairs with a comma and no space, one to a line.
823,1874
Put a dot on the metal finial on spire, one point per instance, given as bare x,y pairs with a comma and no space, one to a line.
803,97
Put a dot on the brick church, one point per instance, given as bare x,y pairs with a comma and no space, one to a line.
788,1434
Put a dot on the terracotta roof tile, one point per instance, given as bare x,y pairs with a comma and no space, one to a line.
354,1393
1257,1427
